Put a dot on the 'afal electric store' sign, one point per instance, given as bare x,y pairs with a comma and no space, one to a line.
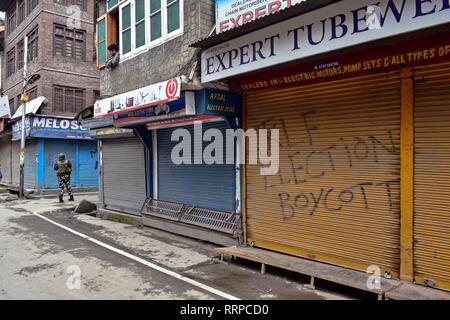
340,25
234,13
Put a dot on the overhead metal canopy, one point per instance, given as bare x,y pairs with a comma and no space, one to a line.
299,9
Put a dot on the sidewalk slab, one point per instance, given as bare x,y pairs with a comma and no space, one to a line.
45,205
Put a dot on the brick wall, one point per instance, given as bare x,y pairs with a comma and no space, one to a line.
173,58
55,70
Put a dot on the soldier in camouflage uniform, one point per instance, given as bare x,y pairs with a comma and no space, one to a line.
63,168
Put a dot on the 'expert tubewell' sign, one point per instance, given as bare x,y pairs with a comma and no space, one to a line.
340,25
234,13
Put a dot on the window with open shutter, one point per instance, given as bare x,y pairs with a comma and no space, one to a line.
101,42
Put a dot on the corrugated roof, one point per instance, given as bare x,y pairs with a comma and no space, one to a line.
299,9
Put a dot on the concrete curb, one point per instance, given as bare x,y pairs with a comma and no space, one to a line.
48,196
120,217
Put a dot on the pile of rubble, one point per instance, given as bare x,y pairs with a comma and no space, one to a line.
7,196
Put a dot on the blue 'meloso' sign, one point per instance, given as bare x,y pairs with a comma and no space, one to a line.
44,127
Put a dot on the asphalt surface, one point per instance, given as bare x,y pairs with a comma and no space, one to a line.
39,260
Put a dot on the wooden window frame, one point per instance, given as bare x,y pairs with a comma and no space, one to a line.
33,38
111,25
20,54
31,4
32,93
12,105
18,101
11,18
74,41
73,93
21,11
11,62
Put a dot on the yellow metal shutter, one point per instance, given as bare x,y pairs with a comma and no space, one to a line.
432,176
336,197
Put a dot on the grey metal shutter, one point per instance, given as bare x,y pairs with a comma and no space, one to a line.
30,164
5,158
124,175
206,186
15,163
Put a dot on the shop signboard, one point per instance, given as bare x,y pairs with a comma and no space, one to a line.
49,127
218,103
340,25
155,94
185,106
235,13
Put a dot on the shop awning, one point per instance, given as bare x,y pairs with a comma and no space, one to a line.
32,108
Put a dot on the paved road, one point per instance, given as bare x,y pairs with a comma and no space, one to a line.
40,260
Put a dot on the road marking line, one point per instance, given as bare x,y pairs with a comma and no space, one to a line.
142,261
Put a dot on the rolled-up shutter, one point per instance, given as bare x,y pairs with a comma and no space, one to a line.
432,177
124,174
336,196
207,186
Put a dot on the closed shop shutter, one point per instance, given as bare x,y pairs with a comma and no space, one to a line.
15,163
336,196
5,159
30,169
124,175
206,186
432,176
52,149
88,163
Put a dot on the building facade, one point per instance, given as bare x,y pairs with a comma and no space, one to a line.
61,49
154,90
359,94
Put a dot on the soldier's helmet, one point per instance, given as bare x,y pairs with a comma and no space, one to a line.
62,157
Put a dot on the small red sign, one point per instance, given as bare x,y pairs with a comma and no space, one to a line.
172,88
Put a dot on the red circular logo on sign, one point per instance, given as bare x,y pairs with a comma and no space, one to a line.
172,88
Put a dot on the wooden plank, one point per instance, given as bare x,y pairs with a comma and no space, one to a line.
407,176
347,277
391,289
411,291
